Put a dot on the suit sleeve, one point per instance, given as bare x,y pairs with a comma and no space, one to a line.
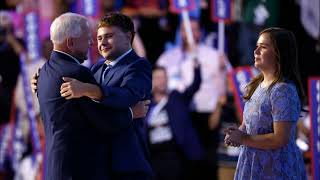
105,119
135,86
194,87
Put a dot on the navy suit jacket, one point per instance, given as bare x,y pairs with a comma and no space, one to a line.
126,83
77,131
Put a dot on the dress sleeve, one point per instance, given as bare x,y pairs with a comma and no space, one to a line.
285,103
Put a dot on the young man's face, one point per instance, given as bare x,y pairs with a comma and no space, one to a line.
159,81
112,42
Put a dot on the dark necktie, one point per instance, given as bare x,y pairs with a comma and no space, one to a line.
105,69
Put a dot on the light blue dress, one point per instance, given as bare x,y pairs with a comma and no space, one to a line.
281,103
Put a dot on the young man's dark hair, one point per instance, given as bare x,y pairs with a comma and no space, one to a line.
119,20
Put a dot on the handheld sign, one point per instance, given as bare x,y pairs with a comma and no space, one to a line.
31,22
182,7
221,10
239,78
314,107
221,13
176,6
89,8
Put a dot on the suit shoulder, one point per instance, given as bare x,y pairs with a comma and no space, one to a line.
97,65
77,70
67,69
142,61
141,65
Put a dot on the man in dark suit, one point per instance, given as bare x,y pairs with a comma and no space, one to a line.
78,131
125,79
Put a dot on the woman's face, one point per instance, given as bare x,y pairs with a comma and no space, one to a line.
264,54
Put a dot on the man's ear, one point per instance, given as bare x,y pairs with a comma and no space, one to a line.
69,43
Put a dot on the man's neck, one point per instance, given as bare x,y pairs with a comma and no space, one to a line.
114,61
188,48
159,96
68,54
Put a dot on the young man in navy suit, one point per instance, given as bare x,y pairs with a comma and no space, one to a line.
125,79
79,132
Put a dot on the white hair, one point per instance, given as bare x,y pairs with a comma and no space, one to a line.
67,25
5,18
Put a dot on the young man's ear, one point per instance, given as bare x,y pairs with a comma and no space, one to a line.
131,36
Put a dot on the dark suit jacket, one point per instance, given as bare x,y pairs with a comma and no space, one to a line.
128,82
179,120
77,131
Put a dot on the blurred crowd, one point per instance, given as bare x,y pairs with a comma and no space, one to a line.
193,97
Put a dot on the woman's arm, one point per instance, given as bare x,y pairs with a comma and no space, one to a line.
279,138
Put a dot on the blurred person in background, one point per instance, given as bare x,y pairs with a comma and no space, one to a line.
174,144
31,67
10,49
31,166
9,4
274,100
302,17
155,24
22,117
228,116
214,66
256,15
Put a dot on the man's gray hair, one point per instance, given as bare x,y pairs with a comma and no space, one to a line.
67,25
5,18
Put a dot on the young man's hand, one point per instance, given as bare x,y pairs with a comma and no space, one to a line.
140,109
34,81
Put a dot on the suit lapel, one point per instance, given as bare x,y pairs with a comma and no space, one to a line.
61,56
97,74
97,71
110,74
122,63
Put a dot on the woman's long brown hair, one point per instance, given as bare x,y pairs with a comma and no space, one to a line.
284,44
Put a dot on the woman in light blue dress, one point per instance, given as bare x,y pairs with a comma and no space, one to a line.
273,104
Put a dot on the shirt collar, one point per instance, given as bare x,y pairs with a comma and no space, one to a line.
113,63
75,59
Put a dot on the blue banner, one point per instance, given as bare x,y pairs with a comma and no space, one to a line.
239,78
29,102
177,6
314,107
221,10
5,133
18,144
32,37
88,8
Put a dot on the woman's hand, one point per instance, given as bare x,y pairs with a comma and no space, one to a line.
234,137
